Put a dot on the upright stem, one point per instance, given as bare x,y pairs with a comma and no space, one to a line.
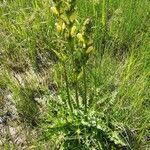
67,88
104,26
85,89
104,14
71,45
76,91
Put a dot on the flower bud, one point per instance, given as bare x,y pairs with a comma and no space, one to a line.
80,37
63,26
64,18
73,31
54,10
73,17
84,45
89,49
58,27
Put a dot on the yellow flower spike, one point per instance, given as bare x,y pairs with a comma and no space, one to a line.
89,49
54,10
58,27
80,37
73,31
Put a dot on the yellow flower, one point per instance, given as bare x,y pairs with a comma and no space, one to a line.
63,26
73,31
65,18
84,45
54,10
89,49
73,17
80,37
58,27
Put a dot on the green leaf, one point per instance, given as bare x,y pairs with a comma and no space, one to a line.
60,55
115,137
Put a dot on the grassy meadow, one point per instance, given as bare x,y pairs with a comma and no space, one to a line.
77,72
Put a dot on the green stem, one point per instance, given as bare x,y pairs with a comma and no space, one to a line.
104,25
76,91
104,14
85,89
71,45
67,88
